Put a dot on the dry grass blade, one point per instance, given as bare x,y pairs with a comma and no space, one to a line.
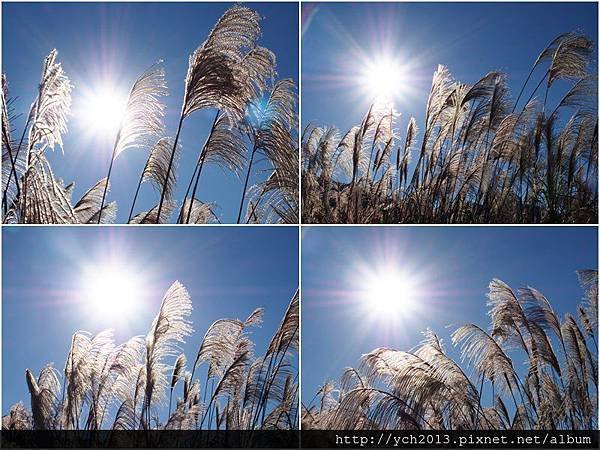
44,392
275,137
571,58
486,355
52,106
141,123
225,146
142,119
589,282
155,170
88,206
151,216
255,318
178,370
106,215
13,162
169,329
18,418
219,346
219,70
200,212
125,417
286,335
273,129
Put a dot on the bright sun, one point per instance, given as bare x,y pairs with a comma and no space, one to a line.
112,292
383,78
103,109
390,293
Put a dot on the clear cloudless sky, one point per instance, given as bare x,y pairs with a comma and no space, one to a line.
117,42
470,39
228,271
452,267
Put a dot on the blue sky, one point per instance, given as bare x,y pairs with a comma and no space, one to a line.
228,272
119,42
451,266
471,39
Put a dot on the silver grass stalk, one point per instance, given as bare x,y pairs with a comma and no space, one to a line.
18,418
151,216
155,170
48,118
51,107
225,72
224,147
215,76
178,371
89,204
272,129
199,212
141,123
168,331
11,164
44,393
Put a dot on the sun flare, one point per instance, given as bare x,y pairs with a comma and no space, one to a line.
383,78
103,110
111,292
390,294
